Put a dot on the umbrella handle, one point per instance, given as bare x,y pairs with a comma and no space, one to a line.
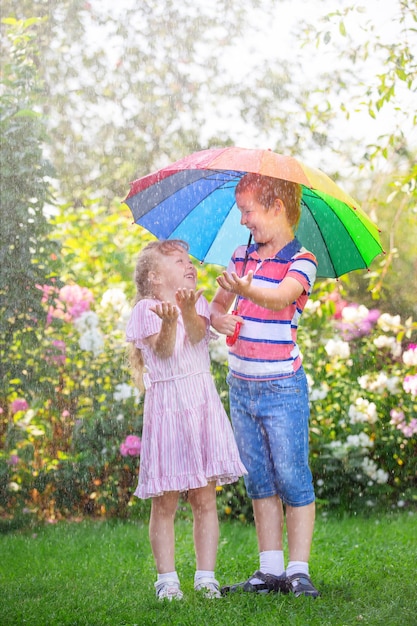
230,340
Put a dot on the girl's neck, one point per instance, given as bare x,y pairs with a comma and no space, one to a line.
163,294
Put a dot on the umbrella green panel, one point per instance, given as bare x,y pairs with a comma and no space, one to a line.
361,231
342,238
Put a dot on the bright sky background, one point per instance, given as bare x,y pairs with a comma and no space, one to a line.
270,41
276,39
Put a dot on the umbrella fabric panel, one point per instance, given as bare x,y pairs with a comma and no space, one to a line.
320,182
345,210
308,229
362,235
146,182
169,213
170,209
210,222
337,234
154,196
217,247
264,162
231,235
164,218
316,232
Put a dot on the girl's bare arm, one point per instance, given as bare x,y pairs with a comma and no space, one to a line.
194,324
163,343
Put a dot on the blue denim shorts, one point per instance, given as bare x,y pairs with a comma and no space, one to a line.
270,421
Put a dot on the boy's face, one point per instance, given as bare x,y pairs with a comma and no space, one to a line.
256,217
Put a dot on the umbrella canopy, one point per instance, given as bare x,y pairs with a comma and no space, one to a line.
194,199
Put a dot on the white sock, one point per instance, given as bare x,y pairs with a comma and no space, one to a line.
297,567
202,573
168,576
272,562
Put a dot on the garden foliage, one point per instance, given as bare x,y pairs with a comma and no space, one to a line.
71,444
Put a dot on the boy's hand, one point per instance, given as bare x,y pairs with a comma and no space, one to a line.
226,324
233,284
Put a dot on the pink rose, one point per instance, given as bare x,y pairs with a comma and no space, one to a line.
410,384
76,298
19,404
131,446
56,353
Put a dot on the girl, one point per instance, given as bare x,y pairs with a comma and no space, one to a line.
187,440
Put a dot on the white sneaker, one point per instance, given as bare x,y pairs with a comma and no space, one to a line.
209,587
168,590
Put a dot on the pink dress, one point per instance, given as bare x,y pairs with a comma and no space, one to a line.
187,438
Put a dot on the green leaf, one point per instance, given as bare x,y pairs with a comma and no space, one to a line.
27,113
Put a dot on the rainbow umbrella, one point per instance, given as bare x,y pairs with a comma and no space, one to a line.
194,199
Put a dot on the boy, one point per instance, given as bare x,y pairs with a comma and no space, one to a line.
268,389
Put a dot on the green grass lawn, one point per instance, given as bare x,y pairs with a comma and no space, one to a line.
102,573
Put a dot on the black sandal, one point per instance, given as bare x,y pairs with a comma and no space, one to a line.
301,585
270,583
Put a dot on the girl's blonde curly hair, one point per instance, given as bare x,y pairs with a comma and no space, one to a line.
147,261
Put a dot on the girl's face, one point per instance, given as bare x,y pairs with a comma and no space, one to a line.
175,271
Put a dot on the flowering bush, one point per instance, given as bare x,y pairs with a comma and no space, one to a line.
62,451
72,422
361,365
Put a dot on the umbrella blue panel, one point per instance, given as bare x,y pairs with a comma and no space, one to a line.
177,196
141,203
231,235
164,218
205,223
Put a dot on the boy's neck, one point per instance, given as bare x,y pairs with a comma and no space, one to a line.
270,248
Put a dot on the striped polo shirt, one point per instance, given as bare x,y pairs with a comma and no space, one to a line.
267,348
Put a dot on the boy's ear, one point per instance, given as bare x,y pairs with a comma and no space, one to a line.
279,205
